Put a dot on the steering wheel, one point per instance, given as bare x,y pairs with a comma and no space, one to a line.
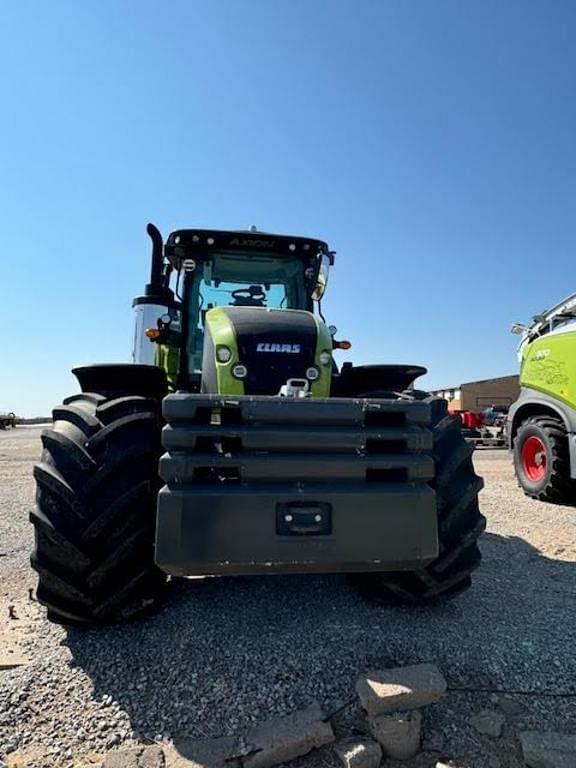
254,296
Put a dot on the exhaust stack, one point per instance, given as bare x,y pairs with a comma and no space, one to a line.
157,300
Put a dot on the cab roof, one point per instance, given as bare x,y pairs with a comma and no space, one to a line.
200,243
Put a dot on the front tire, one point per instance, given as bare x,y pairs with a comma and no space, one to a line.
542,461
460,523
94,521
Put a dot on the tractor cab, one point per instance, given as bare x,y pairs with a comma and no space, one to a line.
218,298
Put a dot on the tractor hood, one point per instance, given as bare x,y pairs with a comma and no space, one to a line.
256,351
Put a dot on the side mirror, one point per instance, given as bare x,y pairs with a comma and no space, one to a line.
321,278
518,328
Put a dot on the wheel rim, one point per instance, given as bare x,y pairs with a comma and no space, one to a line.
534,459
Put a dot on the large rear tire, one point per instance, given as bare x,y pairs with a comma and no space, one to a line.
460,523
97,483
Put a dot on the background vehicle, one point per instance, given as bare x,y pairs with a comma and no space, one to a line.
542,422
270,460
496,415
8,420
482,430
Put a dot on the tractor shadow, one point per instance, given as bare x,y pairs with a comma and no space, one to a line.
224,653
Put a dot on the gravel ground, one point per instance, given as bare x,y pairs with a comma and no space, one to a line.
224,653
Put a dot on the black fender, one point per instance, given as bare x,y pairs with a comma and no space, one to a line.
119,379
356,380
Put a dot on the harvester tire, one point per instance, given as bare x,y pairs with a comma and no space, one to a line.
94,520
460,524
542,461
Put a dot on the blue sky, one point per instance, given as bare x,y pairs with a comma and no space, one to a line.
431,143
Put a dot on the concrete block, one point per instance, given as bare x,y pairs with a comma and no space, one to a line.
218,752
359,752
488,722
285,738
398,733
548,749
400,688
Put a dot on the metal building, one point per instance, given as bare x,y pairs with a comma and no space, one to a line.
478,395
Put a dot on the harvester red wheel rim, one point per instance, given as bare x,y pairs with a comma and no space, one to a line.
534,458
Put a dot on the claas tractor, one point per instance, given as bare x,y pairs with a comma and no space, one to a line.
233,444
541,423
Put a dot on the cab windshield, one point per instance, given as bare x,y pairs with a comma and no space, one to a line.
219,294
253,280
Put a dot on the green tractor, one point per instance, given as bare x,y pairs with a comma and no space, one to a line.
542,422
233,444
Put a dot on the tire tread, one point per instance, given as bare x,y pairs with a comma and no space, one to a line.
560,488
94,520
460,524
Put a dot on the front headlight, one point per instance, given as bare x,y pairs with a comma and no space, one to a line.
312,373
223,354
239,371
325,357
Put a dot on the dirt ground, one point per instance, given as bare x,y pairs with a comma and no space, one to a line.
226,653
